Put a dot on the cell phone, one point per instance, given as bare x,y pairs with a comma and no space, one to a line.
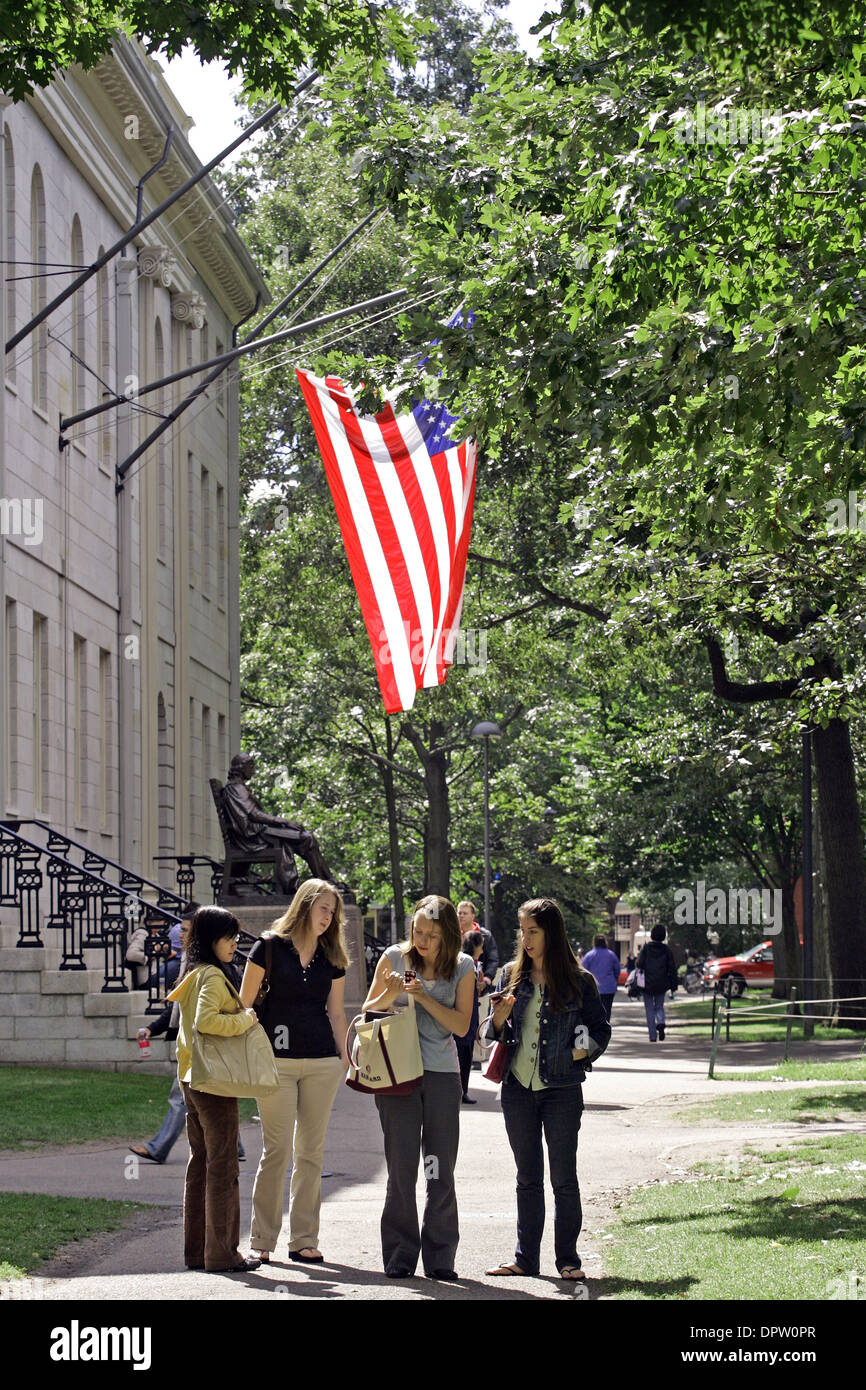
409,975
498,994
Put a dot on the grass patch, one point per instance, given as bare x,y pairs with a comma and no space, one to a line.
762,1030
801,1106
801,1071
43,1105
789,1224
34,1227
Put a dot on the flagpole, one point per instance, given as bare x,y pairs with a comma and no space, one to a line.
68,421
243,350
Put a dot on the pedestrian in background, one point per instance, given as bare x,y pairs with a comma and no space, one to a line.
603,964
473,945
656,960
489,953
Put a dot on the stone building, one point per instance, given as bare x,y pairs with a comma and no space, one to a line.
119,636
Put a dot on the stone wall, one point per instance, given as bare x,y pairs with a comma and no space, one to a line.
59,1018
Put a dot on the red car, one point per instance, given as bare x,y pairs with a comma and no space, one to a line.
753,967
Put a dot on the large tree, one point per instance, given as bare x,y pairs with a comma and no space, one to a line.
662,251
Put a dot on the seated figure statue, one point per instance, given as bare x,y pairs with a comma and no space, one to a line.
253,829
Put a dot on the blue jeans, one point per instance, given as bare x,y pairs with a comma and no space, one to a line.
655,1011
556,1111
161,1145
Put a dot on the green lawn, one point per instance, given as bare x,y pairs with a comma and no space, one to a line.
801,1071
767,1029
790,1224
802,1106
41,1105
34,1227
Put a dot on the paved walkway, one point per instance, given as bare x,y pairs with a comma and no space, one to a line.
631,1133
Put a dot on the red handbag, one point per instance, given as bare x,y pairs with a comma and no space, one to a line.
496,1066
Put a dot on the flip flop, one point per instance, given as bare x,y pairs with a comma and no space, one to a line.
142,1153
508,1271
573,1273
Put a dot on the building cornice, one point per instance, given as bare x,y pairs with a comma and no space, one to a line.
91,115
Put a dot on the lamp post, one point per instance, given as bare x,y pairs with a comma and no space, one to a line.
486,730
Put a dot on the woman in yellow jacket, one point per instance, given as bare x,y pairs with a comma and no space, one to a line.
211,1199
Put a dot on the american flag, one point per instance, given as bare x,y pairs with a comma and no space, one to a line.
403,490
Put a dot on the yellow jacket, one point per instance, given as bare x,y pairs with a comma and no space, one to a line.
206,1003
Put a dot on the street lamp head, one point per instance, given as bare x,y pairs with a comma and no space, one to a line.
486,729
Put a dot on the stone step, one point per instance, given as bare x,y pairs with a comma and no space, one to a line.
51,937
118,1005
70,1029
72,981
109,1054
29,958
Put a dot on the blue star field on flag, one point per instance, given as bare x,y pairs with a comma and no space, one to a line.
433,419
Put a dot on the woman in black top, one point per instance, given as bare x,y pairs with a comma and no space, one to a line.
304,1017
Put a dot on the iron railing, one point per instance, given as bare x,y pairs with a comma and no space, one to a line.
98,863
185,874
85,910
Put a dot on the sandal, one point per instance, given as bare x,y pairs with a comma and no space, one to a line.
573,1273
508,1271
263,1255
142,1153
300,1258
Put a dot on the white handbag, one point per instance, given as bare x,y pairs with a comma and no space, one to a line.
385,1057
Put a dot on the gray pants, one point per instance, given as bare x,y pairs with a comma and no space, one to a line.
428,1121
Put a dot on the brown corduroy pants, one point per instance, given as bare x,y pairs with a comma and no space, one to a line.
211,1198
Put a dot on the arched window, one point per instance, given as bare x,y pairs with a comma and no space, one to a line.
11,251
38,290
77,336
103,359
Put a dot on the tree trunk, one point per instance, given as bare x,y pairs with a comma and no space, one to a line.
393,835
439,819
845,865
787,952
497,925
820,931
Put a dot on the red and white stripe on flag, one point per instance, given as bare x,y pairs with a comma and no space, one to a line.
405,516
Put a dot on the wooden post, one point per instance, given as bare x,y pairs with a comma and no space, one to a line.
790,1012
716,1035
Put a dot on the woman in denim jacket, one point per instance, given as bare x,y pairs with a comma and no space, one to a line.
549,1014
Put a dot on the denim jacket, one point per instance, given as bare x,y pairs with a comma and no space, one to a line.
556,1066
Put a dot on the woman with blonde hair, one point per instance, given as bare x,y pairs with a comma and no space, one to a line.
304,1016
430,969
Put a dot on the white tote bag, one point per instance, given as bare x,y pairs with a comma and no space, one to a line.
385,1058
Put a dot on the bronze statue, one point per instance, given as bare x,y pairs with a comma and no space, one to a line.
253,830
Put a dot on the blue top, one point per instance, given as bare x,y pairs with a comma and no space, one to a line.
438,1048
605,965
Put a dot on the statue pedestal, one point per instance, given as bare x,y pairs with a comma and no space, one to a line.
256,920
356,975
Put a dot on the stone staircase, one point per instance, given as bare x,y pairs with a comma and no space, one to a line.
60,1018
